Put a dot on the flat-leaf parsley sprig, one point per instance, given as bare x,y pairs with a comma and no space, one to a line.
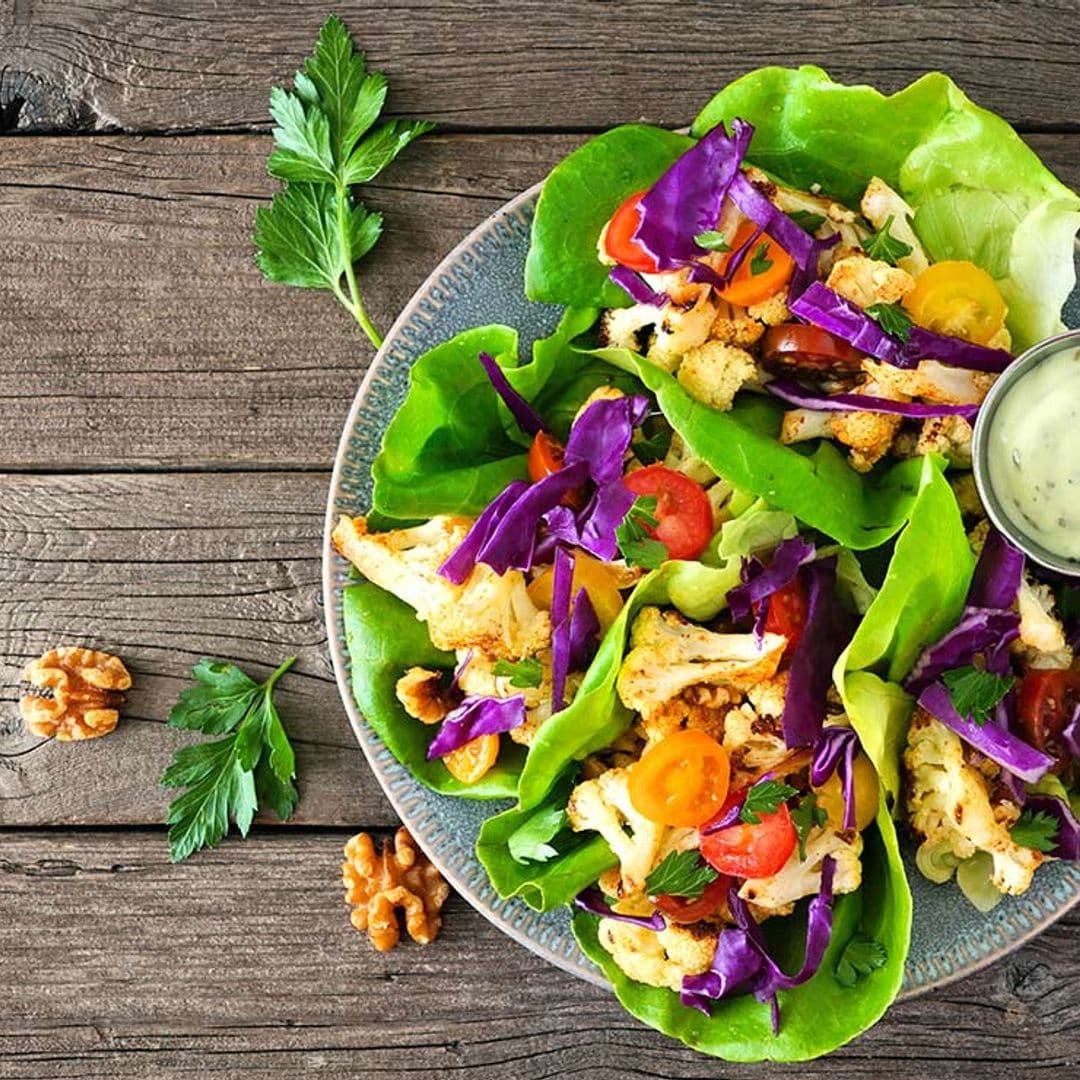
229,777
315,231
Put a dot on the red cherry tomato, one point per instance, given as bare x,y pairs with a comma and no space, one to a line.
679,909
545,456
1047,702
750,851
793,348
619,239
786,614
683,511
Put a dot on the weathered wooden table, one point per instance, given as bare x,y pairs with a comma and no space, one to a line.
167,426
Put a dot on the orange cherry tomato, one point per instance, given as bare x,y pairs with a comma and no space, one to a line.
619,240
682,780
750,851
959,299
683,511
787,614
681,909
746,287
472,761
545,458
597,578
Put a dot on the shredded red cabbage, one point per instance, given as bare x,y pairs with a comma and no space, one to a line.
520,409
595,902
562,583
637,288
795,240
979,630
820,305
1067,844
834,752
794,394
995,742
475,717
827,630
1071,734
761,582
460,565
584,632
601,435
998,573
742,965
686,201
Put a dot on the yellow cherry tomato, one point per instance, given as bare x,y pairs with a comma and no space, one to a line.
471,761
595,577
830,796
682,780
959,299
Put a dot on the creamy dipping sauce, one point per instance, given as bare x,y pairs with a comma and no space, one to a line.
1033,453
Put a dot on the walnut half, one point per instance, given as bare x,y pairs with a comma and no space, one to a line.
73,693
380,884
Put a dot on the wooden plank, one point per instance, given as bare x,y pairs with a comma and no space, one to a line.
163,569
267,915
561,65
136,331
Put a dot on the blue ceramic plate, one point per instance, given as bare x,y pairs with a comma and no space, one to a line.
482,282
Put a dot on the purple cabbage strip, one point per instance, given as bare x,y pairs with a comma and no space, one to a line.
601,435
520,409
687,199
998,573
460,565
737,258
593,901
979,629
795,240
562,583
996,743
584,632
804,277
827,630
834,752
760,583
475,717
604,513
1070,736
790,391
1068,834
637,288
741,964
823,307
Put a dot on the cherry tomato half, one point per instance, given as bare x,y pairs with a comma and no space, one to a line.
787,614
809,351
680,909
619,240
597,578
959,299
750,851
682,780
1047,701
773,271
683,511
545,456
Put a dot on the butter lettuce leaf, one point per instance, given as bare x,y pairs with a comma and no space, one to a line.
978,191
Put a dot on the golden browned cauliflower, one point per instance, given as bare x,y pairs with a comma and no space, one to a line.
772,311
713,373
734,325
879,203
679,330
659,958
865,281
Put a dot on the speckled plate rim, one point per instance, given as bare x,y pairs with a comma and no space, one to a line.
1002,933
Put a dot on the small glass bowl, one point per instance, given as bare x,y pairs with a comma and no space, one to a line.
981,443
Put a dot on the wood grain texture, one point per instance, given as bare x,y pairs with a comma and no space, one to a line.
242,962
563,65
137,331
163,569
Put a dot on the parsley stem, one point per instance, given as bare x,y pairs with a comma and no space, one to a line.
353,304
269,685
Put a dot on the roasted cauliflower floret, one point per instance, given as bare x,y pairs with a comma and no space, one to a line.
932,381
879,203
865,281
948,435
1042,636
604,805
734,325
679,330
713,373
701,708
659,958
755,744
621,328
424,694
669,654
489,611
868,434
798,878
773,311
682,459
801,424
949,804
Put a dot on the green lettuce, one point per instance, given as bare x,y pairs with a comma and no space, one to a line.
578,198
815,1018
384,639
452,445
741,445
978,191
920,599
